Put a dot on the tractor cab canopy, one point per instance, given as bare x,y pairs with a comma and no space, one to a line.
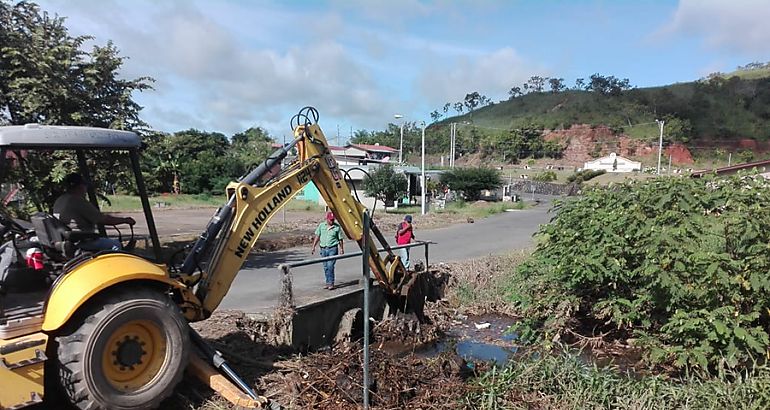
50,137
81,140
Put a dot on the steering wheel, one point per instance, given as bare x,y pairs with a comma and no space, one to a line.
131,243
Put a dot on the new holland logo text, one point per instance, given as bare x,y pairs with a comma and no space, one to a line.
262,216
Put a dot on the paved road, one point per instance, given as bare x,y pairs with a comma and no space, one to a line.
257,287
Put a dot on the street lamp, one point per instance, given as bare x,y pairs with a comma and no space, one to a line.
401,141
660,144
423,182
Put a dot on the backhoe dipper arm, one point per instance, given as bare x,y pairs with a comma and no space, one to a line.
235,228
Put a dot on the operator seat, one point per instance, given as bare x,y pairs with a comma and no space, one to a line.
54,234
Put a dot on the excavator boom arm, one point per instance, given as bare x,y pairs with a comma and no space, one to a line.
234,230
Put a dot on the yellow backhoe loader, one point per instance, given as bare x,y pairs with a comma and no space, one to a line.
110,329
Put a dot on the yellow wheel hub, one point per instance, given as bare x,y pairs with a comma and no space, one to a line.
134,355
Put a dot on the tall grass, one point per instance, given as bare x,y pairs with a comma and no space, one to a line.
565,382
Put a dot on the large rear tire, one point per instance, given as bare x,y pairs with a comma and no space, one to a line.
126,351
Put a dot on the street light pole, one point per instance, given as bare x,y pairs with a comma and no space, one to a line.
423,181
660,144
401,141
452,133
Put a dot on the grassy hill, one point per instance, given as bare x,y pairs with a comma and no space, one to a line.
710,116
719,108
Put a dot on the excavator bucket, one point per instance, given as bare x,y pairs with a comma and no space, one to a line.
422,286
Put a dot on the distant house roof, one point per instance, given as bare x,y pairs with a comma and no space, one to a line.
276,145
349,151
732,169
374,148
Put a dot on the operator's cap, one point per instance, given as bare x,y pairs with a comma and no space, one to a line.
73,180
408,218
330,216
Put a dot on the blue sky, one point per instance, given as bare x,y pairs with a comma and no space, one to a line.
228,65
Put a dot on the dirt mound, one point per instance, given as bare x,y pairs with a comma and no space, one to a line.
470,160
585,142
679,154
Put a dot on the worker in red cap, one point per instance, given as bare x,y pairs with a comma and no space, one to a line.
329,235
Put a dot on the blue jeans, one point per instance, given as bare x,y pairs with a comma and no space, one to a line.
404,256
329,265
100,244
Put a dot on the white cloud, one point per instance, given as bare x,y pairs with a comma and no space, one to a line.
226,66
492,74
739,25
205,67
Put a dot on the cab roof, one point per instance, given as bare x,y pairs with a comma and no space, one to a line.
36,136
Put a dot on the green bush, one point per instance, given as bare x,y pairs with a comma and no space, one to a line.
679,265
470,181
585,175
545,176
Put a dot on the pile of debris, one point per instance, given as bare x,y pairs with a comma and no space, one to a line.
410,364
333,380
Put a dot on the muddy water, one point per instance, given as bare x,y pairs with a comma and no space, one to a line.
484,338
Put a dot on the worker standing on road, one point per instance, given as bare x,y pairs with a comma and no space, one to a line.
404,236
329,235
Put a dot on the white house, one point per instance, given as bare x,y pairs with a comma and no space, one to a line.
376,152
613,163
348,155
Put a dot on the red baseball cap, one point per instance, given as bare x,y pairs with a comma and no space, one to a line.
330,216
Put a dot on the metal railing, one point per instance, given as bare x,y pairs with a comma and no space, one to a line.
286,281
355,254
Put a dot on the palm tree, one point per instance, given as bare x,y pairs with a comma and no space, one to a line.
171,164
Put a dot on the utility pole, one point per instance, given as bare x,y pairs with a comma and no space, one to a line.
660,144
338,135
401,141
452,139
454,144
669,164
424,181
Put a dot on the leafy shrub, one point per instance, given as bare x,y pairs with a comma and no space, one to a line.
545,176
585,175
470,181
385,184
681,265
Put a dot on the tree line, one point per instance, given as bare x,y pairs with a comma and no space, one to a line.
47,77
506,145
598,83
